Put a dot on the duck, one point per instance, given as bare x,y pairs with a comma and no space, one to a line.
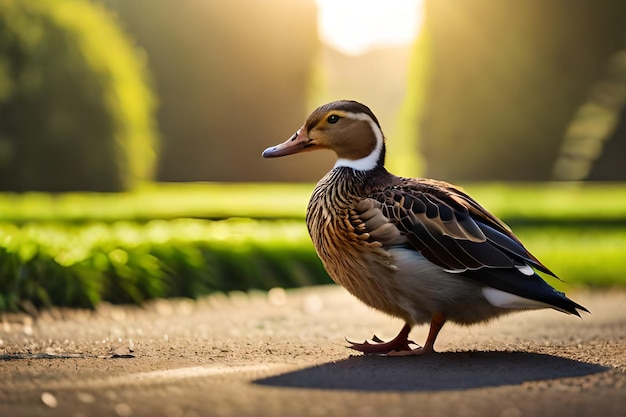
418,249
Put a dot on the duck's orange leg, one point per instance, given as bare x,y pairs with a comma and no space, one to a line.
436,323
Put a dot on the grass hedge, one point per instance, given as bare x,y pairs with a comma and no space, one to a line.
124,262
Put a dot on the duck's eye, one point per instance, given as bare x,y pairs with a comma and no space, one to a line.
332,119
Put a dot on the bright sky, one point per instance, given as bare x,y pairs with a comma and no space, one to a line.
354,26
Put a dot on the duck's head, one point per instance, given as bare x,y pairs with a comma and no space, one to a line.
348,128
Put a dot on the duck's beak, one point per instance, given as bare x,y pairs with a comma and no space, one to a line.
299,142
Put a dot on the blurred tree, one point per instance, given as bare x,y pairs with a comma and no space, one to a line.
507,79
611,164
594,146
232,78
75,110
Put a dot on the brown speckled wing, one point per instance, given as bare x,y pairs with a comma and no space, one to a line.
446,226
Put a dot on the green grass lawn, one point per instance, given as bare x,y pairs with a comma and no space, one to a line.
187,240
162,201
515,202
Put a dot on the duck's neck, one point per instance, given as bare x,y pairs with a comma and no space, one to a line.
349,182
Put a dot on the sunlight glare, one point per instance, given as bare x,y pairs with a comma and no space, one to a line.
354,26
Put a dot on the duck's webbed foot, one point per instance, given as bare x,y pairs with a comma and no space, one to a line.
398,345
401,345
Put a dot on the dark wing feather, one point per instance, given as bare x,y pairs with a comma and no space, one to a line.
452,230
513,247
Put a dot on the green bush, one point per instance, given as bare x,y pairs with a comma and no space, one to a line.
75,108
126,262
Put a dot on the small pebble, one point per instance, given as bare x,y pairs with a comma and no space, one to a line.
49,399
277,296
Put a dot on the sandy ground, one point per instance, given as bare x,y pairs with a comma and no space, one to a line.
284,354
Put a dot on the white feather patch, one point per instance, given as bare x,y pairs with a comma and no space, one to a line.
525,269
504,299
364,164
370,161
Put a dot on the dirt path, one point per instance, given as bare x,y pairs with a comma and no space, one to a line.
285,355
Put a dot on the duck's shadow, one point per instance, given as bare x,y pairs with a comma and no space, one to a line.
441,372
